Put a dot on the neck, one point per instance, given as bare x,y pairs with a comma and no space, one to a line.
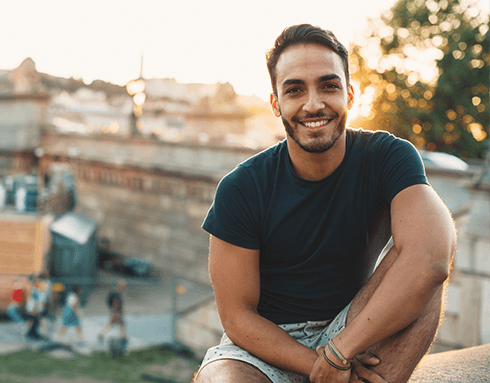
316,166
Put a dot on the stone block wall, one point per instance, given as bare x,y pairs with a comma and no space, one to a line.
162,226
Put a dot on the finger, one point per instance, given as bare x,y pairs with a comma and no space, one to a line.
365,374
354,378
319,350
367,358
371,377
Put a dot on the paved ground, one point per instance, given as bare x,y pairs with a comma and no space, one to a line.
148,306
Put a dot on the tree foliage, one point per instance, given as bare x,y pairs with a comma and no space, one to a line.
423,74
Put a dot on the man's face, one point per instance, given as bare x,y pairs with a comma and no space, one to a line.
312,96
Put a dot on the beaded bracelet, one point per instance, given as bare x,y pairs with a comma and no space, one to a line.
343,368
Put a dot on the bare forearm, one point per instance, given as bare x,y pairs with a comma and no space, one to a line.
270,343
398,301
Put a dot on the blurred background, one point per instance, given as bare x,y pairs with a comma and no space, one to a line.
118,119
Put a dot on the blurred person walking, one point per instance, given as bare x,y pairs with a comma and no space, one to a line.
33,308
115,303
72,315
13,310
45,301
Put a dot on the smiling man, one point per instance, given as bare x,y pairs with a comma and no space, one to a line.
297,229
298,68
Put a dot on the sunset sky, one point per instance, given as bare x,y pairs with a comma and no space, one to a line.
191,41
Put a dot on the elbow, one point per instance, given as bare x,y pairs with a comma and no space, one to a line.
236,324
440,274
443,239
433,272
229,320
445,252
232,333
441,267
229,324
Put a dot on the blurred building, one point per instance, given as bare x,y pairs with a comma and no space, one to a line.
31,102
23,102
88,111
205,113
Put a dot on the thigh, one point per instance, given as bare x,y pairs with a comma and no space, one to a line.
230,352
230,371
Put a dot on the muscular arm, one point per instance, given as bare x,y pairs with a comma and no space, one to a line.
424,237
236,282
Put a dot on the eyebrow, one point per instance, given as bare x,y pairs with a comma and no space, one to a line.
327,77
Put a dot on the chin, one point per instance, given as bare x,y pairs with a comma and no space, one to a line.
317,143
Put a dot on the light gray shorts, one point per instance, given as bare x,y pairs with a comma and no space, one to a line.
310,334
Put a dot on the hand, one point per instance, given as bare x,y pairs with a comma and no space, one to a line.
361,371
322,372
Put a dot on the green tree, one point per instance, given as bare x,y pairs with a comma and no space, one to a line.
423,73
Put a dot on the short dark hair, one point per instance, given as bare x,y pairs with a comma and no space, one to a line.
304,34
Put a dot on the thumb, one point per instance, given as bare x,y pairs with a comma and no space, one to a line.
319,350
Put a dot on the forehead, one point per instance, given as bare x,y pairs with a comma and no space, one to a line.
308,61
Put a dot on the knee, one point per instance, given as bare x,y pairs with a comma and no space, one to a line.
217,371
229,371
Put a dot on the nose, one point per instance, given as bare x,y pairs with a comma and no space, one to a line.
314,103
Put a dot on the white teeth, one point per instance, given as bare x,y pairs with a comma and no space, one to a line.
315,124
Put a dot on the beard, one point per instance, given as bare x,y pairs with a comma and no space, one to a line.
317,143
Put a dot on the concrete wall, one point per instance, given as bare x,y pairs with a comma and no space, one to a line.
146,154
200,329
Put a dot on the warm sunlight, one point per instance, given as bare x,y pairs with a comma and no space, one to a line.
193,42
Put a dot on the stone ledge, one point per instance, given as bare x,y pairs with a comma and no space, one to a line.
470,365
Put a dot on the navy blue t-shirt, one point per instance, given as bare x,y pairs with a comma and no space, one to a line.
312,235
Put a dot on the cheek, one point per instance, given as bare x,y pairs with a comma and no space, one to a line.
287,109
341,105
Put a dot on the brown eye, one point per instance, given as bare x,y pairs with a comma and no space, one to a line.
331,86
293,90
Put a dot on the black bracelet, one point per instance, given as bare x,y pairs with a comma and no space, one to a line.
343,368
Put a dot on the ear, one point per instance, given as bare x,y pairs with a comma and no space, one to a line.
350,97
275,107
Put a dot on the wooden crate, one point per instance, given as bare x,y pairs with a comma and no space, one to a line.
25,242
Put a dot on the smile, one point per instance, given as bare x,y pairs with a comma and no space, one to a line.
316,124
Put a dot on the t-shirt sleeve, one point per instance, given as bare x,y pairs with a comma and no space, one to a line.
400,167
233,216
